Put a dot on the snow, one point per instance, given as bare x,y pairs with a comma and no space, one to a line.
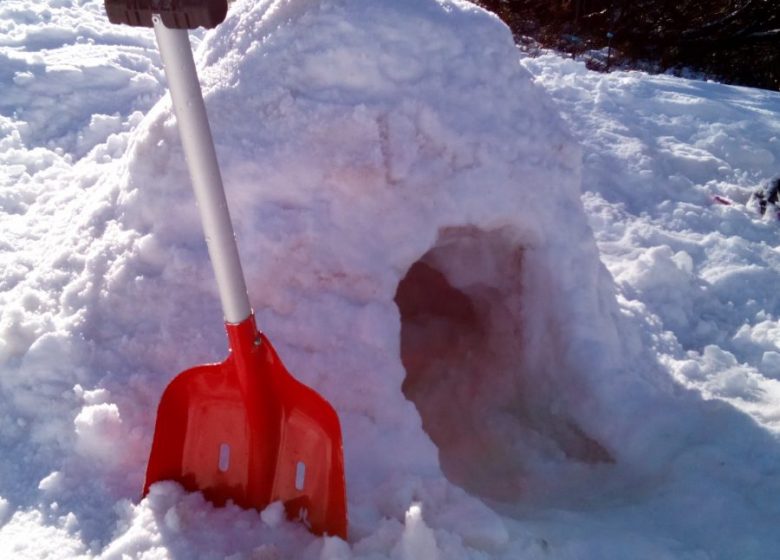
506,274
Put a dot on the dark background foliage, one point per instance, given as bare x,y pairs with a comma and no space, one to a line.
734,41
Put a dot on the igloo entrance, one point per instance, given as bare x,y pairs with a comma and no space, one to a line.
462,344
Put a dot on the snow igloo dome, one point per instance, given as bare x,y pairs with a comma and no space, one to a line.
407,208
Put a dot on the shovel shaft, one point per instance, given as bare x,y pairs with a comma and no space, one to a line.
174,45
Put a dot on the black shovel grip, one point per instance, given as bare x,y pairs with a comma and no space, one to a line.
175,14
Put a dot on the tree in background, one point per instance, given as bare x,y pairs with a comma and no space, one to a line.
736,41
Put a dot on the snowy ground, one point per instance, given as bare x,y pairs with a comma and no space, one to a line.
707,272
407,204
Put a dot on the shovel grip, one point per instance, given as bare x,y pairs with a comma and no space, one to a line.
175,14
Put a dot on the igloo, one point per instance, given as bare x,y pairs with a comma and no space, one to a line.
407,206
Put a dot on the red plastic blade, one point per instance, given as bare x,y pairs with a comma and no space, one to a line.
245,430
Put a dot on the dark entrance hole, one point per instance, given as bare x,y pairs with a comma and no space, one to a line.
462,344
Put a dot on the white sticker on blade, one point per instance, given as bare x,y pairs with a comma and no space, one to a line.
224,457
300,475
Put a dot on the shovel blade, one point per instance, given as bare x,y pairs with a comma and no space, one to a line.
246,431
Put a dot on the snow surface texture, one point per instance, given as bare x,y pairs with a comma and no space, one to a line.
409,210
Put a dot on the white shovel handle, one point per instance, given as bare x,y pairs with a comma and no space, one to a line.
176,52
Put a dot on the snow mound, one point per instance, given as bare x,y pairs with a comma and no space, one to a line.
362,143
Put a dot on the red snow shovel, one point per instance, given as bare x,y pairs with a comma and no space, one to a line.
243,430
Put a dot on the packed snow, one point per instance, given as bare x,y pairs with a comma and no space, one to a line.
507,274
